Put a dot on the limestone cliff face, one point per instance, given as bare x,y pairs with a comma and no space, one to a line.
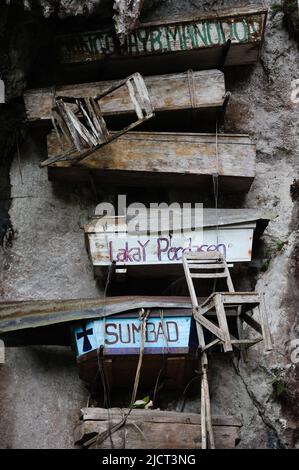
42,246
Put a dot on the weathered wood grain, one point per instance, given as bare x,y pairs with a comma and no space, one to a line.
197,40
154,429
139,156
37,313
174,372
203,90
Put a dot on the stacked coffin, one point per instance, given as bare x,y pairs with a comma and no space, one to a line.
112,341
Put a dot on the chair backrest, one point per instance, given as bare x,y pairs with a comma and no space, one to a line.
206,265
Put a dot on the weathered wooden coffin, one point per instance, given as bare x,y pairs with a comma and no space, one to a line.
203,90
170,339
153,429
170,44
164,159
229,231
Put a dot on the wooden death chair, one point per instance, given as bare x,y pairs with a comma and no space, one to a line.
212,265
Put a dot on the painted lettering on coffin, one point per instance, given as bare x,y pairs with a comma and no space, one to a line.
164,38
162,249
122,335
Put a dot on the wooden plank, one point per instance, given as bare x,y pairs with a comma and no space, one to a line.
251,322
167,93
101,414
144,435
34,314
265,325
172,42
153,365
154,429
209,325
222,320
208,276
138,156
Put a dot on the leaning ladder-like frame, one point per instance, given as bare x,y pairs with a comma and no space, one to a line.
212,265
80,123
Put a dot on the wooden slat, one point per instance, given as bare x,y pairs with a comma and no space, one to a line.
167,93
208,276
33,314
265,326
222,320
251,322
101,414
246,342
180,157
209,325
145,435
206,266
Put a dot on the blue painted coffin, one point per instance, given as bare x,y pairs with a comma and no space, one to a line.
172,334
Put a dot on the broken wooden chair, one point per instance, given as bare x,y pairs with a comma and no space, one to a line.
79,121
212,265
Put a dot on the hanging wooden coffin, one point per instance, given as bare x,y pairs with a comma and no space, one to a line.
204,91
229,231
164,159
209,40
170,341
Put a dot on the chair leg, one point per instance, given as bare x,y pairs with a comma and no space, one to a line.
207,435
265,325
240,328
222,321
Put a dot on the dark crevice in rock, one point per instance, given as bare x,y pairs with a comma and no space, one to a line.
275,441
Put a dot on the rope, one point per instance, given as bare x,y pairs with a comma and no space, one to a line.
216,193
143,318
216,182
111,429
192,94
191,88
163,353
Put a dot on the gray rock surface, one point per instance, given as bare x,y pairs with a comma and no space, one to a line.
43,253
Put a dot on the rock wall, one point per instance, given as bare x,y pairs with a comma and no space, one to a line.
43,253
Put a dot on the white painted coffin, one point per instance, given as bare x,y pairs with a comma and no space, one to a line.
230,232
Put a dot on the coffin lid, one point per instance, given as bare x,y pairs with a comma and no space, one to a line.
21,315
172,19
211,218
